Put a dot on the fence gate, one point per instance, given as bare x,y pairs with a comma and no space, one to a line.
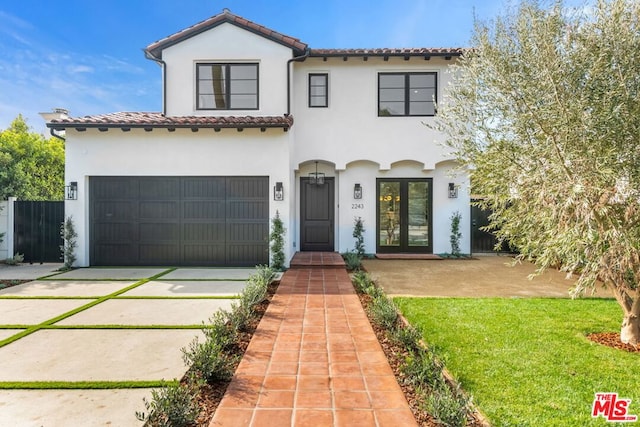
36,230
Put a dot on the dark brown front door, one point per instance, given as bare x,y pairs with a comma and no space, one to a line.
317,213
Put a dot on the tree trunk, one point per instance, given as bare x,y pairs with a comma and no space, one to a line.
630,331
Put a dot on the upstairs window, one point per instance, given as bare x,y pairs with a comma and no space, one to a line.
407,94
318,90
227,86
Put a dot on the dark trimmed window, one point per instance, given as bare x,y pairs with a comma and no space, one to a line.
318,90
222,86
407,94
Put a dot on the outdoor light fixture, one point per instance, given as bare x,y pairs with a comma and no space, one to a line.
278,192
71,191
357,191
316,177
453,191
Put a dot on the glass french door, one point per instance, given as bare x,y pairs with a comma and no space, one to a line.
404,215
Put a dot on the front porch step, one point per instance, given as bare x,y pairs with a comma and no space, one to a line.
317,260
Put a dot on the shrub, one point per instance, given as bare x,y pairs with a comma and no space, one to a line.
352,261
208,360
384,312
220,330
409,337
422,369
448,406
69,237
171,406
17,259
358,230
456,234
277,243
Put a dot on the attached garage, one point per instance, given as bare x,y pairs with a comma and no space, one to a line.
179,221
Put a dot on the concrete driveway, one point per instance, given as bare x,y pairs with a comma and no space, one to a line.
481,276
100,325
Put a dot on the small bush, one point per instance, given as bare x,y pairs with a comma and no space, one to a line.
358,231
208,360
171,406
276,238
352,261
70,242
423,369
220,330
384,312
448,406
456,234
409,337
17,259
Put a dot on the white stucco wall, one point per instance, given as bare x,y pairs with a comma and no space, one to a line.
226,43
356,146
350,129
179,153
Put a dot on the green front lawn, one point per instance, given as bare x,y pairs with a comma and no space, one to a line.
527,362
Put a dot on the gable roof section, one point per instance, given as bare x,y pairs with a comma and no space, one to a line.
149,121
155,49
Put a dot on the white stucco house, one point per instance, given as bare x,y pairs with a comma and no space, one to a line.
255,122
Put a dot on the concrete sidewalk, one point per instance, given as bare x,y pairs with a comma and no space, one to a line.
27,271
108,339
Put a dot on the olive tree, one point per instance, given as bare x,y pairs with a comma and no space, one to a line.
544,110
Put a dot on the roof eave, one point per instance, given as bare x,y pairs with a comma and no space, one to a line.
155,49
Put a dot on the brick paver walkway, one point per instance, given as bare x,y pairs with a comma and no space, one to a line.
314,361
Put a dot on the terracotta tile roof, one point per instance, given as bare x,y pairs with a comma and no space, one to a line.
125,120
155,49
421,51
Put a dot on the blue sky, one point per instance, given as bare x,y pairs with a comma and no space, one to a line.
86,55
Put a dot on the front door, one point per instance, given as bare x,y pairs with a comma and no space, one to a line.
404,215
317,214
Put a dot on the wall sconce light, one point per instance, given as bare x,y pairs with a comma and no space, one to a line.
278,192
357,191
71,191
453,191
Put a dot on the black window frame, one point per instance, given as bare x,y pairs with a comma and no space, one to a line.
227,81
407,92
326,93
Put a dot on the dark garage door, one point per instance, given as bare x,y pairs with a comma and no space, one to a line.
197,221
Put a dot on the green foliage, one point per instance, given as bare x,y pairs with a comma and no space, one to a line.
277,243
17,259
358,234
214,359
409,337
422,369
449,406
209,361
352,261
527,361
70,239
171,406
543,94
384,312
31,167
366,285
456,234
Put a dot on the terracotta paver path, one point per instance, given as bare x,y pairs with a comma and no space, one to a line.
314,359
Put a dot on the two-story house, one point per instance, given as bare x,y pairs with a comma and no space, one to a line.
255,122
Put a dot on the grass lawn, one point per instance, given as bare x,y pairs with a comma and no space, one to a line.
527,362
